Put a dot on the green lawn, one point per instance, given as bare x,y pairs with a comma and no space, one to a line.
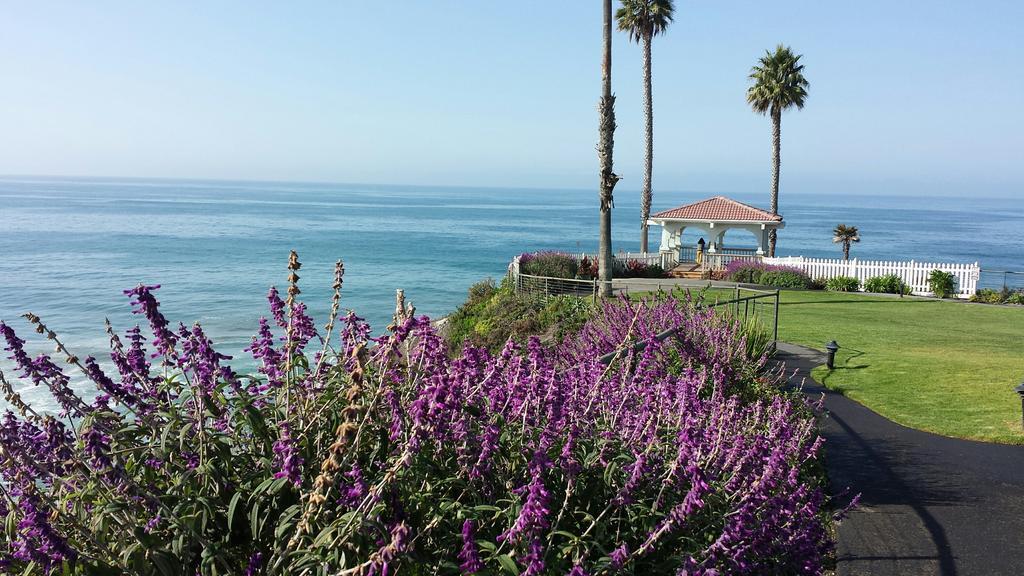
945,367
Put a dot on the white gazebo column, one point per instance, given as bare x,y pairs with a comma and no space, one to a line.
677,237
669,247
712,232
762,240
666,239
719,242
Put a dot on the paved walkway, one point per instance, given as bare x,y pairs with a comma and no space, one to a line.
929,504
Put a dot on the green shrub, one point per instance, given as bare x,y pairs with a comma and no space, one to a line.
818,284
784,279
636,269
565,315
491,315
747,274
1004,296
990,296
481,291
757,338
942,284
550,264
887,284
842,284
640,270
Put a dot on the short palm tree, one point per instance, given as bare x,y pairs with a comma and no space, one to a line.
845,235
778,84
643,20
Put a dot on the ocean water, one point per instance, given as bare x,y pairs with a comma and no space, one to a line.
70,246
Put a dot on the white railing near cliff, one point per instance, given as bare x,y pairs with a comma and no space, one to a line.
648,258
915,274
719,260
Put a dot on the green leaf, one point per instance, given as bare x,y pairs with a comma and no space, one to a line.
264,486
254,520
232,507
163,564
508,564
277,485
487,545
324,536
568,535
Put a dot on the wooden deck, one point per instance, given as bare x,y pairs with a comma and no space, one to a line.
688,270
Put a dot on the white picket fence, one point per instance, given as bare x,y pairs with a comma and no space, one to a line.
915,274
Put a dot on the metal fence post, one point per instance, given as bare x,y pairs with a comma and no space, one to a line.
775,330
1020,391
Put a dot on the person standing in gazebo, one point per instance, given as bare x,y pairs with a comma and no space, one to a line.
700,251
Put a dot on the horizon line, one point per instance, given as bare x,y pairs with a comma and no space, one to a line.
81,177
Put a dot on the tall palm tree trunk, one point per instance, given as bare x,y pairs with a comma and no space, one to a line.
846,250
645,194
605,144
776,145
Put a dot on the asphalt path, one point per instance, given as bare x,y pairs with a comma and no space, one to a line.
929,504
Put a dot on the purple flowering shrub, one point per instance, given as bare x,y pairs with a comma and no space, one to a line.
754,272
384,455
554,264
548,263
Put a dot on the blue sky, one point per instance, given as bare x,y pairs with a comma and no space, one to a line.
906,97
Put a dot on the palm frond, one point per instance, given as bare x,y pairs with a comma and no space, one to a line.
644,18
778,82
844,233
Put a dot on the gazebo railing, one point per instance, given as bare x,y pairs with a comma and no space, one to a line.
720,257
719,260
649,258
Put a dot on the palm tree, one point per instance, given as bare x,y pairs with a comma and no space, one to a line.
779,84
605,144
845,235
643,20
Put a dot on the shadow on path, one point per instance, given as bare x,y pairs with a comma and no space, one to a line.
929,504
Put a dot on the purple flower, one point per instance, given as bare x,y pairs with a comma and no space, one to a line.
277,307
354,488
146,304
97,446
619,556
533,518
255,564
36,540
152,524
302,327
42,371
271,360
469,555
287,457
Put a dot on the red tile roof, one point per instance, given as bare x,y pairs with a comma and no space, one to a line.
719,208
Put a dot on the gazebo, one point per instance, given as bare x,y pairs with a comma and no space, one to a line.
713,217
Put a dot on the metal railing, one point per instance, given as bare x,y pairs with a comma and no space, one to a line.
1001,279
549,286
760,305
